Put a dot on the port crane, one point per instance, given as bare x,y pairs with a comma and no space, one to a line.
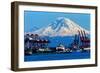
81,41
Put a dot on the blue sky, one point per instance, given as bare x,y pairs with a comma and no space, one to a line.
35,19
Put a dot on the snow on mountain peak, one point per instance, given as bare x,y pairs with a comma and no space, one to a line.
61,27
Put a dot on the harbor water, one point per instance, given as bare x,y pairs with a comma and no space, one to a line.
57,56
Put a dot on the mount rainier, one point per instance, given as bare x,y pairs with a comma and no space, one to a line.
60,27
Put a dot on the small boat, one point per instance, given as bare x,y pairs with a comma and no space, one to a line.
60,48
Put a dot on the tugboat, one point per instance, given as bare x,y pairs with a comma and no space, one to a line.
60,48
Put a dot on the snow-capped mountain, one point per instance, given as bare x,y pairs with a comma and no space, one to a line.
61,27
